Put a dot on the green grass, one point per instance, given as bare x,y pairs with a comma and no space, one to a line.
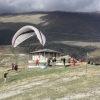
60,82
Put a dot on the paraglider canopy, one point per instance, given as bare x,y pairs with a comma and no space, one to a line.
25,33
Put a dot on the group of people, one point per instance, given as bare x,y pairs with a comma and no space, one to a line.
72,61
53,60
15,67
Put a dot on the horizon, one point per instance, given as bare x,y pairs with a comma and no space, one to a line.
12,6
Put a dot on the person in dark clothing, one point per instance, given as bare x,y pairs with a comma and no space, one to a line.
64,60
88,62
48,62
5,76
16,67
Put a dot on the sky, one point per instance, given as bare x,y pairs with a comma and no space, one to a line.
22,6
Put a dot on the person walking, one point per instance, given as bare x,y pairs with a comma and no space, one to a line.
5,76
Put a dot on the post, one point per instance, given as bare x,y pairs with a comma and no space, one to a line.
86,61
86,65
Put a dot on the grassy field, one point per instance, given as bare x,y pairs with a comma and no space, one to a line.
52,83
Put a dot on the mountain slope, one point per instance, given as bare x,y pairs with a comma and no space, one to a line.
73,30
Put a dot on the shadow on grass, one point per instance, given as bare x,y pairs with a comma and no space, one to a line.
67,66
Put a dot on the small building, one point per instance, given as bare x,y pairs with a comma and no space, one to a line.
44,54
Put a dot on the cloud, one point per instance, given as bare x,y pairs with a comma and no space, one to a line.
20,6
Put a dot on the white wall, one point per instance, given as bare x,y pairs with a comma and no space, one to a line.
43,56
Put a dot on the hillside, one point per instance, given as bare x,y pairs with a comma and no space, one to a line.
71,33
52,83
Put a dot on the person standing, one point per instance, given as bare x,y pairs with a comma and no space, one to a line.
12,66
37,62
54,61
73,61
5,76
48,62
64,60
16,68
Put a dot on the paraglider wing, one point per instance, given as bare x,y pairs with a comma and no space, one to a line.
41,38
25,33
